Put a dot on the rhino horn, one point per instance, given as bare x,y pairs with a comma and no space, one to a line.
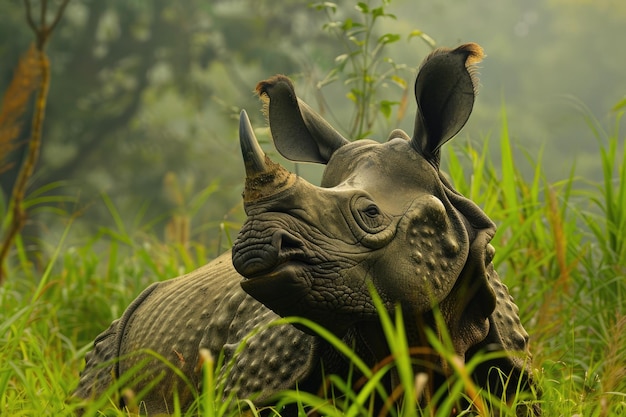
445,89
253,155
264,178
299,133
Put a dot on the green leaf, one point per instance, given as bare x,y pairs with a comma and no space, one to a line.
325,5
509,189
341,58
423,36
378,12
356,93
356,41
362,7
399,80
388,38
385,107
620,105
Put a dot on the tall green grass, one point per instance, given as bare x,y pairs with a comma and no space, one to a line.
560,248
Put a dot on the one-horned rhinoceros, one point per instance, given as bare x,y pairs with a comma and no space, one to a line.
385,220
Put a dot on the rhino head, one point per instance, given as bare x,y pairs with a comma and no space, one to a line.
384,216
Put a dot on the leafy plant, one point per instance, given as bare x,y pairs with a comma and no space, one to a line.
363,68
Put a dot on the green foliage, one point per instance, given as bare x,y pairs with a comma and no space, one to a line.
560,249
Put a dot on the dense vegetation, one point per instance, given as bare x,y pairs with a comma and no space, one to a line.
139,86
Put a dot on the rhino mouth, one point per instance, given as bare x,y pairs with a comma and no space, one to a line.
274,270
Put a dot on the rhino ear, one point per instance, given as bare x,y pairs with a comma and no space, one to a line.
299,133
445,89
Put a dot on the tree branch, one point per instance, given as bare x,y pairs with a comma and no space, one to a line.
29,16
57,18
42,34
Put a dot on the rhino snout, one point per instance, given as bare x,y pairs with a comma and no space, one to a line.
254,257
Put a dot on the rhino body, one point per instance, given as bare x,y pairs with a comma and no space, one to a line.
203,309
384,219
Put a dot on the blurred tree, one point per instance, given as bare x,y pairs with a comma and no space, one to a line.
145,91
142,89
32,74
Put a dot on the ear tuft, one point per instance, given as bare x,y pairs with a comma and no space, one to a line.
475,54
272,84
264,87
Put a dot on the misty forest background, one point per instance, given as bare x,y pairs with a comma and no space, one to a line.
140,146
144,96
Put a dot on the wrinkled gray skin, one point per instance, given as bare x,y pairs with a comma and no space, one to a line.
384,218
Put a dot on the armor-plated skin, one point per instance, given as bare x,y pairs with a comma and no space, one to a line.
384,218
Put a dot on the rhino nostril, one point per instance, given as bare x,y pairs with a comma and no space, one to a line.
285,243
255,255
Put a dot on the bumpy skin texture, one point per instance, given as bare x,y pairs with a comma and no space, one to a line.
204,309
384,219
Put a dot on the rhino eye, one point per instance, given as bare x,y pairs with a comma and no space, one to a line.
372,211
368,216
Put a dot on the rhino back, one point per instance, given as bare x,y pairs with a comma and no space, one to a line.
171,321
263,357
101,362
